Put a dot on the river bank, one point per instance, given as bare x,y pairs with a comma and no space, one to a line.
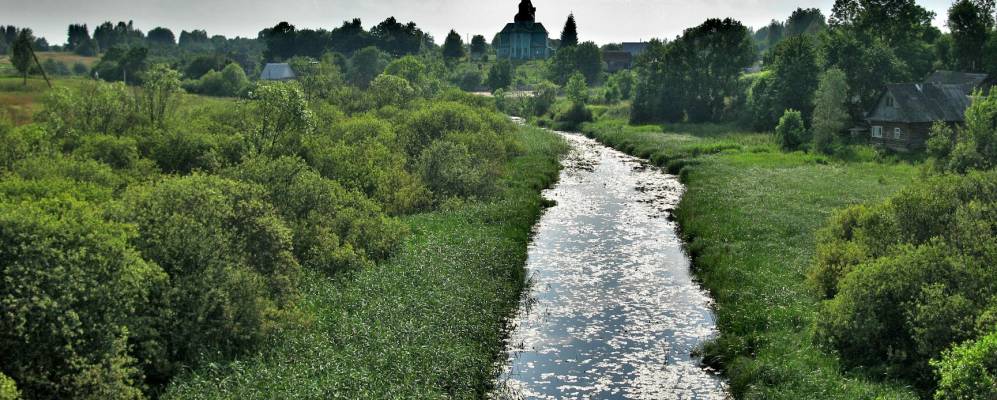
426,324
748,217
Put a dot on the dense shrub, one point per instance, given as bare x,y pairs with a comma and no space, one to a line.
969,371
334,229
391,90
450,171
93,107
75,296
8,389
118,152
230,262
909,278
500,75
467,77
791,133
544,96
972,146
230,82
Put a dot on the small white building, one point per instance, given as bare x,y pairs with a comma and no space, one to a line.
277,72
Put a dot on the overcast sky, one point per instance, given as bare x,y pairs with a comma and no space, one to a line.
602,21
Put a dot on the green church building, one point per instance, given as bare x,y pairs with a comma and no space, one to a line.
524,39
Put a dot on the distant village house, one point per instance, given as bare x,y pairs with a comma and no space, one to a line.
905,112
524,39
277,72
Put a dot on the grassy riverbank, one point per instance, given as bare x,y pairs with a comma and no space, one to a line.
749,216
426,324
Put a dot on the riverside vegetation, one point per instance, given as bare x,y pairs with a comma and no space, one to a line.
378,234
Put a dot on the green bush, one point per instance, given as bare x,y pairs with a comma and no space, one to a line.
909,278
77,296
391,90
334,229
8,390
229,82
230,262
791,133
968,371
969,147
450,171
118,152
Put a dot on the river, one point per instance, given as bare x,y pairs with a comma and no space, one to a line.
612,311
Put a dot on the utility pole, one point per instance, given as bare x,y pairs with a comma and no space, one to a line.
35,57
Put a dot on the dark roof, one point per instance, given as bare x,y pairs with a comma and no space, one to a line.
524,27
919,103
277,72
956,78
634,48
617,56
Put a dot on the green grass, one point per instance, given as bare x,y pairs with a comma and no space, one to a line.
20,102
426,324
749,217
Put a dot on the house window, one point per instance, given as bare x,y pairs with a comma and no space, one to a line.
898,133
889,101
877,131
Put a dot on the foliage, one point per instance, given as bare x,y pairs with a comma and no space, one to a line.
544,96
467,76
968,371
830,113
390,90
365,65
969,147
576,89
795,75
282,115
910,274
585,58
569,35
318,79
230,82
500,75
453,46
479,46
8,390
160,93
693,76
20,52
66,329
791,133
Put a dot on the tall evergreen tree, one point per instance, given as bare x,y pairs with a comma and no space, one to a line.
453,46
569,36
20,54
478,45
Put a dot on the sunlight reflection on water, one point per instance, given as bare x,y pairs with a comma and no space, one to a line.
612,311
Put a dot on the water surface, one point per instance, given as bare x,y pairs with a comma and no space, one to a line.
612,312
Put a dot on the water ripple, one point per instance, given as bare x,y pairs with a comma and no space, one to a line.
612,312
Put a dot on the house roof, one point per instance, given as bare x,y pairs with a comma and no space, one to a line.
634,48
524,27
920,103
277,72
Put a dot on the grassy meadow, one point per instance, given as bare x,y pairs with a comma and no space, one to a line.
425,324
749,216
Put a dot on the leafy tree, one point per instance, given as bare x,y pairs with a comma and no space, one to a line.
391,90
350,37
21,53
283,115
77,35
830,111
970,22
867,65
396,38
795,73
468,77
160,93
193,39
280,42
500,75
569,35
318,79
453,46
791,133
365,65
408,68
805,21
577,90
479,46
585,58
161,36
969,147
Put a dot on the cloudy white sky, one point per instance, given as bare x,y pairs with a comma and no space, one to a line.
602,21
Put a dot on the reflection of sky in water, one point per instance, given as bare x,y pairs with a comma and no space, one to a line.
613,311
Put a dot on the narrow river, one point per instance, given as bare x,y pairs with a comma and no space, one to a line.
612,311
